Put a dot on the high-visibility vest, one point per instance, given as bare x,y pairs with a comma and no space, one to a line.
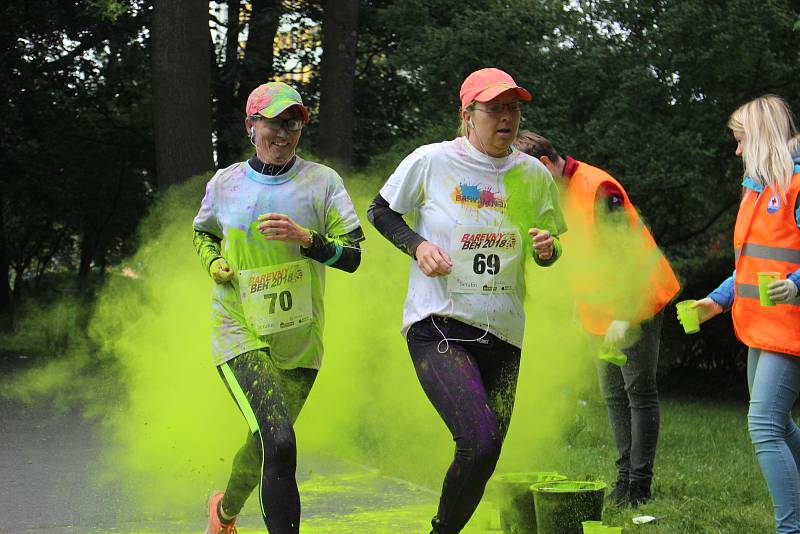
766,238
661,285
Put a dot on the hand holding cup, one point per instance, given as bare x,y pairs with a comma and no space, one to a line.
782,291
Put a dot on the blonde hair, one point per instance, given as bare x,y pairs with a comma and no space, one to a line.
463,126
768,138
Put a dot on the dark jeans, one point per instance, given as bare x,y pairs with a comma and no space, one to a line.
631,395
270,399
472,386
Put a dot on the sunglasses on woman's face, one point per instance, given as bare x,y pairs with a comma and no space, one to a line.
274,123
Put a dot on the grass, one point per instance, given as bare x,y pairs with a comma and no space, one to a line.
706,476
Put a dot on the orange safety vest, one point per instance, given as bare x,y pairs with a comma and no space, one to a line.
580,210
766,238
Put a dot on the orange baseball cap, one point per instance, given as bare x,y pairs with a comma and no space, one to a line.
485,84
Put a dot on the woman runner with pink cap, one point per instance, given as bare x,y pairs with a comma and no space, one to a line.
472,198
266,230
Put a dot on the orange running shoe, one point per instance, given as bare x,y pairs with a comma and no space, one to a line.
215,526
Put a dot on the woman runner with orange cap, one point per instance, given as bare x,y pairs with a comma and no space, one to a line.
473,198
266,230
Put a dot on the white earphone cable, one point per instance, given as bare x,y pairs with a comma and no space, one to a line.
446,340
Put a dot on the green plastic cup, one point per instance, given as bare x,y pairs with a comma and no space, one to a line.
688,317
593,527
610,353
764,280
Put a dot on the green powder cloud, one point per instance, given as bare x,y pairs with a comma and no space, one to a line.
171,429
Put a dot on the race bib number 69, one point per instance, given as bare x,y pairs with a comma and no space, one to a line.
484,260
278,297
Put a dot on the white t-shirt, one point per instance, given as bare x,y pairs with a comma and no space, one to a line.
314,196
451,185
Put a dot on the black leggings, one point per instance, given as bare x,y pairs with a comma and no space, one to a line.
270,400
472,386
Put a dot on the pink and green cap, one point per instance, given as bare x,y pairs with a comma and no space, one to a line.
272,98
485,84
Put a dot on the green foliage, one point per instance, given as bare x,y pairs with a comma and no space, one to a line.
641,88
77,134
48,326
58,363
111,9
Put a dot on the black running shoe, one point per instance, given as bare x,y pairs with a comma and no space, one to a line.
638,494
618,496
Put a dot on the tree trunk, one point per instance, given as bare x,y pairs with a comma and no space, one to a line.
88,246
181,90
229,130
91,250
337,71
257,66
5,271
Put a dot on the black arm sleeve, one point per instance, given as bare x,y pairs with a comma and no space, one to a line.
339,252
392,226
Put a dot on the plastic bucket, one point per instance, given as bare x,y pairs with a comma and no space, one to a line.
562,506
512,491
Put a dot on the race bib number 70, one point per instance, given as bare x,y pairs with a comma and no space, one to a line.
484,260
278,297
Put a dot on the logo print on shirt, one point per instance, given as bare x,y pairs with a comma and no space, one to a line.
774,204
477,196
